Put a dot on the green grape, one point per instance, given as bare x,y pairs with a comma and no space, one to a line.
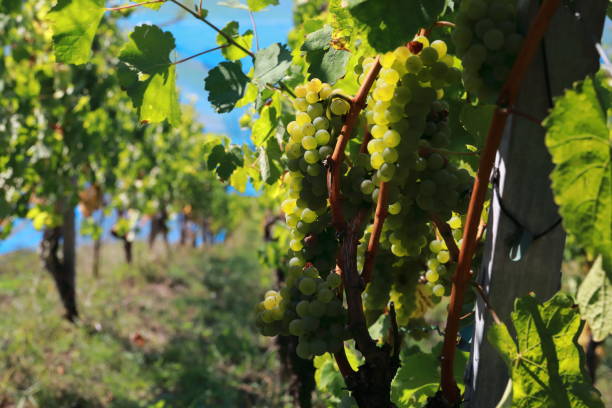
311,324
288,206
339,107
429,55
427,187
386,172
440,47
375,146
294,151
493,39
326,91
414,64
300,104
389,75
435,246
318,347
296,245
367,187
311,156
378,131
302,118
308,130
432,276
333,280
296,327
386,60
376,160
443,257
433,263
390,155
311,272
309,143
435,161
312,97
462,37
300,91
438,70
438,290
476,9
303,350
315,110
391,138
483,26
313,170
315,85
325,295
319,123
322,136
395,208
325,151
294,129
308,216
307,286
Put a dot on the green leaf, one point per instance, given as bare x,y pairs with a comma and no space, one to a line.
239,179
328,66
245,40
389,23
257,5
547,364
271,64
595,300
225,84
476,120
149,76
74,24
318,40
579,141
419,376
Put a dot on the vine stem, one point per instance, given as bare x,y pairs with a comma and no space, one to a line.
379,220
200,53
129,6
333,173
461,277
227,37
447,235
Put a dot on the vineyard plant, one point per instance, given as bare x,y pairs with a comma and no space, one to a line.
376,131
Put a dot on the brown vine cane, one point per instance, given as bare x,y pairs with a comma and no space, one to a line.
461,277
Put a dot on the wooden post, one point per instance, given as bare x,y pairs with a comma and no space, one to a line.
523,167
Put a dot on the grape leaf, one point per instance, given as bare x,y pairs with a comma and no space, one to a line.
579,140
389,23
595,300
74,24
318,40
419,376
258,5
232,52
328,66
148,75
325,62
271,64
225,84
476,121
546,363
265,125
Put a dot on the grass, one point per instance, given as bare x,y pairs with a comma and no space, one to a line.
165,332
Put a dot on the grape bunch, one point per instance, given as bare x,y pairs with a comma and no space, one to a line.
307,307
487,40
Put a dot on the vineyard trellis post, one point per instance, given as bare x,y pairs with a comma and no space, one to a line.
527,209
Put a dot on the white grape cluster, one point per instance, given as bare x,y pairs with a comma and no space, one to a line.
306,307
487,41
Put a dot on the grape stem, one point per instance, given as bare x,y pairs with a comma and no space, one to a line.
333,172
200,53
379,220
129,6
426,32
478,288
447,235
462,274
